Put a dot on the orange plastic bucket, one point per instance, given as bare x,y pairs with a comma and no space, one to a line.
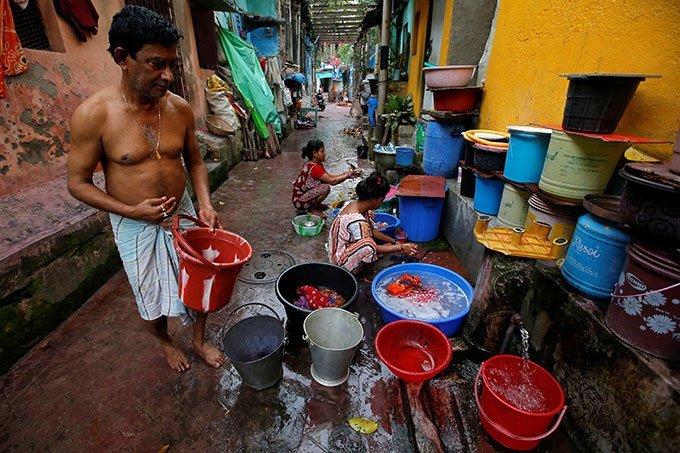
519,401
210,262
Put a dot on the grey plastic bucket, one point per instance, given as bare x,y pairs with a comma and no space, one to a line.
333,335
255,347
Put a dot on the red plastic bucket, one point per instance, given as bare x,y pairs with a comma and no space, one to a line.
209,264
519,401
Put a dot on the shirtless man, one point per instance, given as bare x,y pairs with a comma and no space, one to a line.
140,133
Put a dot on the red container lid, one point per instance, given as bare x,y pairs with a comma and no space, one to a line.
422,186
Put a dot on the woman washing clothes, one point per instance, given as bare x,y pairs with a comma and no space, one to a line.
352,236
313,184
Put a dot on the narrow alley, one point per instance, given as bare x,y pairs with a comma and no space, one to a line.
100,383
440,226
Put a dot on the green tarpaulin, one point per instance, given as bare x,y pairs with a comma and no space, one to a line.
249,78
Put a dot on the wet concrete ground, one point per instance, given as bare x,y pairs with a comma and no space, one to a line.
100,383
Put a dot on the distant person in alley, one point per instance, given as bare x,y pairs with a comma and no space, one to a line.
140,133
352,236
313,184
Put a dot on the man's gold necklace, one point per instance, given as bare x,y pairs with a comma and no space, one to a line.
147,132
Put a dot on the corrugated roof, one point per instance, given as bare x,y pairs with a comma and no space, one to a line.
339,20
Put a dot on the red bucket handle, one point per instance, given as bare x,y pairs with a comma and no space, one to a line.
177,233
502,429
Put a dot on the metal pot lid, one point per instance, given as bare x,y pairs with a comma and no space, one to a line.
491,136
652,174
606,207
530,130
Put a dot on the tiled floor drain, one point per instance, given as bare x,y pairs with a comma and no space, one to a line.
265,266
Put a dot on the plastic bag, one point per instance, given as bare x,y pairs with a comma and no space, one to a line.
221,107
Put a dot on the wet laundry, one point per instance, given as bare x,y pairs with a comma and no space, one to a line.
410,286
311,298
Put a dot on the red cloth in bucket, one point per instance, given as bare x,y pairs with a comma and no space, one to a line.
507,423
209,264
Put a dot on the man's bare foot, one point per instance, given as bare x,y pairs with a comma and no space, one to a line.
175,357
317,212
209,353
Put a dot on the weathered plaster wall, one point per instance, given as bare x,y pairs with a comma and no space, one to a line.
535,43
34,135
470,22
34,126
421,10
194,76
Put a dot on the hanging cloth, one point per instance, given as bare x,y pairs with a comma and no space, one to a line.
12,58
80,15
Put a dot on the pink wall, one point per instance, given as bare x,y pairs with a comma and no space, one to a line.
36,112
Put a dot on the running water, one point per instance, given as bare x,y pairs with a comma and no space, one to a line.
524,333
446,298
515,383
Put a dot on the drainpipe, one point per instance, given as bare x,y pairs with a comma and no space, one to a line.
384,57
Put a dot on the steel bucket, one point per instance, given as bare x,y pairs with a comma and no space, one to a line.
255,347
333,335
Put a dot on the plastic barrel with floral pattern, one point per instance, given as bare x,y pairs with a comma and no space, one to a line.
645,307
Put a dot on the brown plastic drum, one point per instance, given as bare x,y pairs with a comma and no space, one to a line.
645,307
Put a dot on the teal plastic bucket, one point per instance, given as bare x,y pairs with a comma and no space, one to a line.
596,255
443,149
488,194
526,153
405,156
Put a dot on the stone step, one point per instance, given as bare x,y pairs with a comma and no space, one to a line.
55,252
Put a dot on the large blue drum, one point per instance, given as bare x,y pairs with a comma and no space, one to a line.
443,149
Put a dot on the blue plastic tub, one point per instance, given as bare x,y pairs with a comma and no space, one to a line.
526,153
405,156
488,194
449,325
392,223
443,149
420,217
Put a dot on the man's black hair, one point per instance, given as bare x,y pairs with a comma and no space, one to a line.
134,26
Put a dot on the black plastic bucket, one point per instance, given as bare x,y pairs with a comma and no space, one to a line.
320,275
596,102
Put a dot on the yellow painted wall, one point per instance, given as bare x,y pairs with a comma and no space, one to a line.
421,11
537,41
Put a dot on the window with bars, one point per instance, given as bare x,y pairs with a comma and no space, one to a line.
29,26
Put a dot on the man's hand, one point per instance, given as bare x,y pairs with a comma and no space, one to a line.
209,216
154,210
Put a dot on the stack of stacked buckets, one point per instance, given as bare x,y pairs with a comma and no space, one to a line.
602,261
453,101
